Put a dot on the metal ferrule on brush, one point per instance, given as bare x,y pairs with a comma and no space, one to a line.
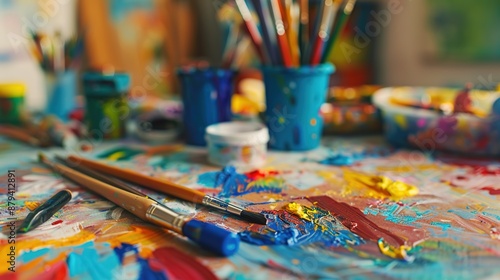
222,205
165,217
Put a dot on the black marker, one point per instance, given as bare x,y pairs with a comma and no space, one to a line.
43,212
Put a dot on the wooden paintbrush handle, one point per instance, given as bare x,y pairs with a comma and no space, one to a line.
143,180
135,204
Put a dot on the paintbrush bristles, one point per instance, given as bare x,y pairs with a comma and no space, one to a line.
253,217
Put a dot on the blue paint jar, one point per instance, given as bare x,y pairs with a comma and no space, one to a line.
293,100
206,98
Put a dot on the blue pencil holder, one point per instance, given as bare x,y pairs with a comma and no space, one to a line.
293,100
206,98
62,94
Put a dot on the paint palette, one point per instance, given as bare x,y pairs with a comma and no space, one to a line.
429,119
391,215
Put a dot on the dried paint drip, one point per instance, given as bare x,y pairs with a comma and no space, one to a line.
354,220
384,186
235,184
285,227
400,252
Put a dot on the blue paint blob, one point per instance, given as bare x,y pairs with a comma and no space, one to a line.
285,229
232,183
208,179
89,263
338,160
147,272
125,248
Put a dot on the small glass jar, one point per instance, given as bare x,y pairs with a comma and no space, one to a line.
106,106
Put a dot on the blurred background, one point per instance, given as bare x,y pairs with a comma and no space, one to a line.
393,42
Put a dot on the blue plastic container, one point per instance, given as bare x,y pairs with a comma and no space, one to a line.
62,98
206,97
293,100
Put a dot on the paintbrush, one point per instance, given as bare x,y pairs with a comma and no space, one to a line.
21,134
170,188
206,235
102,177
43,212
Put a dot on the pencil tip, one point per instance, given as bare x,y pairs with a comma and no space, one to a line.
253,217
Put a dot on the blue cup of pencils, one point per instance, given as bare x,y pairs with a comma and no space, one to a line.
206,97
293,100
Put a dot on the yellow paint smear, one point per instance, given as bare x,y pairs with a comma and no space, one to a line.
384,186
32,205
28,245
304,213
400,252
408,168
116,156
298,210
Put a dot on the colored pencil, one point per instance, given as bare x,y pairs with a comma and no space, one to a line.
208,236
252,30
330,8
43,212
281,36
292,14
268,30
170,188
315,12
303,29
344,12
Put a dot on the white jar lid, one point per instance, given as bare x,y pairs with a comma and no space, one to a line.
237,133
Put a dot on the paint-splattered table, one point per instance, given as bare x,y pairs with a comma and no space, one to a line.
354,208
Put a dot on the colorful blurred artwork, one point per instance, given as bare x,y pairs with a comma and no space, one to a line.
388,214
462,30
142,38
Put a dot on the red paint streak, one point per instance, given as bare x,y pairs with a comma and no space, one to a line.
57,222
260,174
8,276
355,220
491,190
57,271
181,265
483,170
